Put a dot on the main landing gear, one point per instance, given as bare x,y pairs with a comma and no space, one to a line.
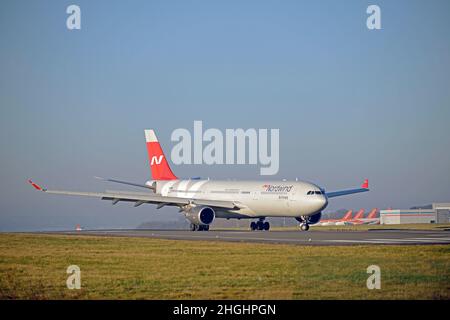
197,227
260,225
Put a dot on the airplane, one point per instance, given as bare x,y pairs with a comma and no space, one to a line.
202,201
333,222
370,219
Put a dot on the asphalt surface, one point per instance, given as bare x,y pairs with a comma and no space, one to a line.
312,237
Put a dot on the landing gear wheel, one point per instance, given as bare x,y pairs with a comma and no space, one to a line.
193,227
253,226
206,228
260,225
304,227
266,226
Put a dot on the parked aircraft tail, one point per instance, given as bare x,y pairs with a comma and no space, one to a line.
372,214
359,214
348,216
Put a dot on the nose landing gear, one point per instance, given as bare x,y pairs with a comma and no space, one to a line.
304,223
304,226
260,225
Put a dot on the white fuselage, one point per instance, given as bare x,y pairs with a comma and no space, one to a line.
255,198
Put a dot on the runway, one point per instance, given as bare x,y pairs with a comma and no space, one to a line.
312,237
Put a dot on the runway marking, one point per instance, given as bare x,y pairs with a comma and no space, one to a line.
233,238
353,241
445,239
394,241
416,240
319,238
368,241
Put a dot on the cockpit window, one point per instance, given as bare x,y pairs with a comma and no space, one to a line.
318,192
314,192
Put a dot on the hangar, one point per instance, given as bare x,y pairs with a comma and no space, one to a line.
442,212
439,213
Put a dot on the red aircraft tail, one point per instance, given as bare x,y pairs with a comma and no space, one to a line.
359,214
158,163
348,216
372,214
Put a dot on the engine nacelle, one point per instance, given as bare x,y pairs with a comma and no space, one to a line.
201,215
315,218
311,219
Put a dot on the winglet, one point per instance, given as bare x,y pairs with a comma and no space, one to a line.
365,184
36,186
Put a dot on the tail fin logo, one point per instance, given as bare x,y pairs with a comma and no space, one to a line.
156,160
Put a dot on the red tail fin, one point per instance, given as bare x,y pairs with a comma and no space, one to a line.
372,214
359,214
158,163
348,216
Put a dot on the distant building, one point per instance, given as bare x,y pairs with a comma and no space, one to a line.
404,216
442,212
439,213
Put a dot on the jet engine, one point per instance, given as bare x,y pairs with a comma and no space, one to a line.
201,215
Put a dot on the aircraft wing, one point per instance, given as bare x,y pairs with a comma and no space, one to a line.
364,188
141,198
126,182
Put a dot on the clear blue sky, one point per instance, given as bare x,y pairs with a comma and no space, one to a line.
350,103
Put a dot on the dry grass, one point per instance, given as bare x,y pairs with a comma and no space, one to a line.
34,267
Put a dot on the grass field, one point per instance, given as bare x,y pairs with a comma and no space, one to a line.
34,267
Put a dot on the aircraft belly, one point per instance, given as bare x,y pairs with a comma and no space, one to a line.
234,214
270,208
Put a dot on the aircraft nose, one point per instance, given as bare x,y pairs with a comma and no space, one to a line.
324,201
320,203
